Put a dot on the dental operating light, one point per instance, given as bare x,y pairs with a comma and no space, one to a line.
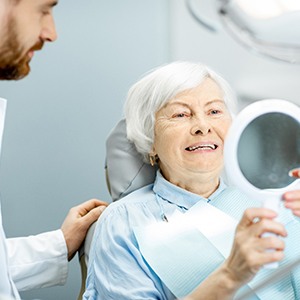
267,27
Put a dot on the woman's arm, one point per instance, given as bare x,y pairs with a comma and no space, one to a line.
218,286
117,269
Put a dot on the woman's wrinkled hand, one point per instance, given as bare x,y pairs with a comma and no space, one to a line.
249,252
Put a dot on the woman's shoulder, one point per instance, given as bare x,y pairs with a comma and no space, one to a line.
141,195
136,203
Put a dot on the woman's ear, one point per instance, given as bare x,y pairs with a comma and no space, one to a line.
153,156
152,160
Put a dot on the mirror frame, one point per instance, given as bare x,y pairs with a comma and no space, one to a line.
247,115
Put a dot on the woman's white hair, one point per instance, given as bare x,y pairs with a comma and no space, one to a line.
146,97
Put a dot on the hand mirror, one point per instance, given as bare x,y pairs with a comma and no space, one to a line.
261,147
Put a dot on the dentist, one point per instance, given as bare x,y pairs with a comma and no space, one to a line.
42,260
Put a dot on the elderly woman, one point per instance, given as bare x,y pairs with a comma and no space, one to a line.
180,237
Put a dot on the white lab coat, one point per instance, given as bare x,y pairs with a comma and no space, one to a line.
38,261
32,262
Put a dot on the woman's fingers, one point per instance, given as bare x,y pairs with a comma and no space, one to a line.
270,242
267,257
295,173
252,215
292,201
292,198
296,213
264,226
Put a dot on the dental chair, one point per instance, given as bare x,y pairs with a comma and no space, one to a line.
125,172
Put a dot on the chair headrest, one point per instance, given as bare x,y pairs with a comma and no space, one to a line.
125,169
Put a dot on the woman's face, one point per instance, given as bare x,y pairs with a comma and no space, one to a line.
190,131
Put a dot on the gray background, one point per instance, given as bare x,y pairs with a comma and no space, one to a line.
58,117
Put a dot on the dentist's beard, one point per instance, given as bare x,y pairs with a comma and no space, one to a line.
14,61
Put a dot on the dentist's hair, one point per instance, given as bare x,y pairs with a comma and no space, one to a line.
147,96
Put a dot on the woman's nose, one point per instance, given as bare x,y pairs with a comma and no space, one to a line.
200,127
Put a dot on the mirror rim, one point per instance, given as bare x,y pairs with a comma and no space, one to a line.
254,110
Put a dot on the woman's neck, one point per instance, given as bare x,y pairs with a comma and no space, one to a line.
203,185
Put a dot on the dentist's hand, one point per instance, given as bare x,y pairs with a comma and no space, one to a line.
292,198
78,221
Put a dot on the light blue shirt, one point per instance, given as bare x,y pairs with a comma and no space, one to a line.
117,269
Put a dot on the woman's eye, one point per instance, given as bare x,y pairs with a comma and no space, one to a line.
215,111
180,115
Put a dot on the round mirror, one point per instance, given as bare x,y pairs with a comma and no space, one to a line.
268,148
262,146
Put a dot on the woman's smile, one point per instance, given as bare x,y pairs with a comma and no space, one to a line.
202,147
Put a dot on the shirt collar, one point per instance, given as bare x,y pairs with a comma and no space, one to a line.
181,197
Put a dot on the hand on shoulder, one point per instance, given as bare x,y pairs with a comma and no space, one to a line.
78,221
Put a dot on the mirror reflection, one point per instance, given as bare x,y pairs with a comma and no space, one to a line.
268,149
